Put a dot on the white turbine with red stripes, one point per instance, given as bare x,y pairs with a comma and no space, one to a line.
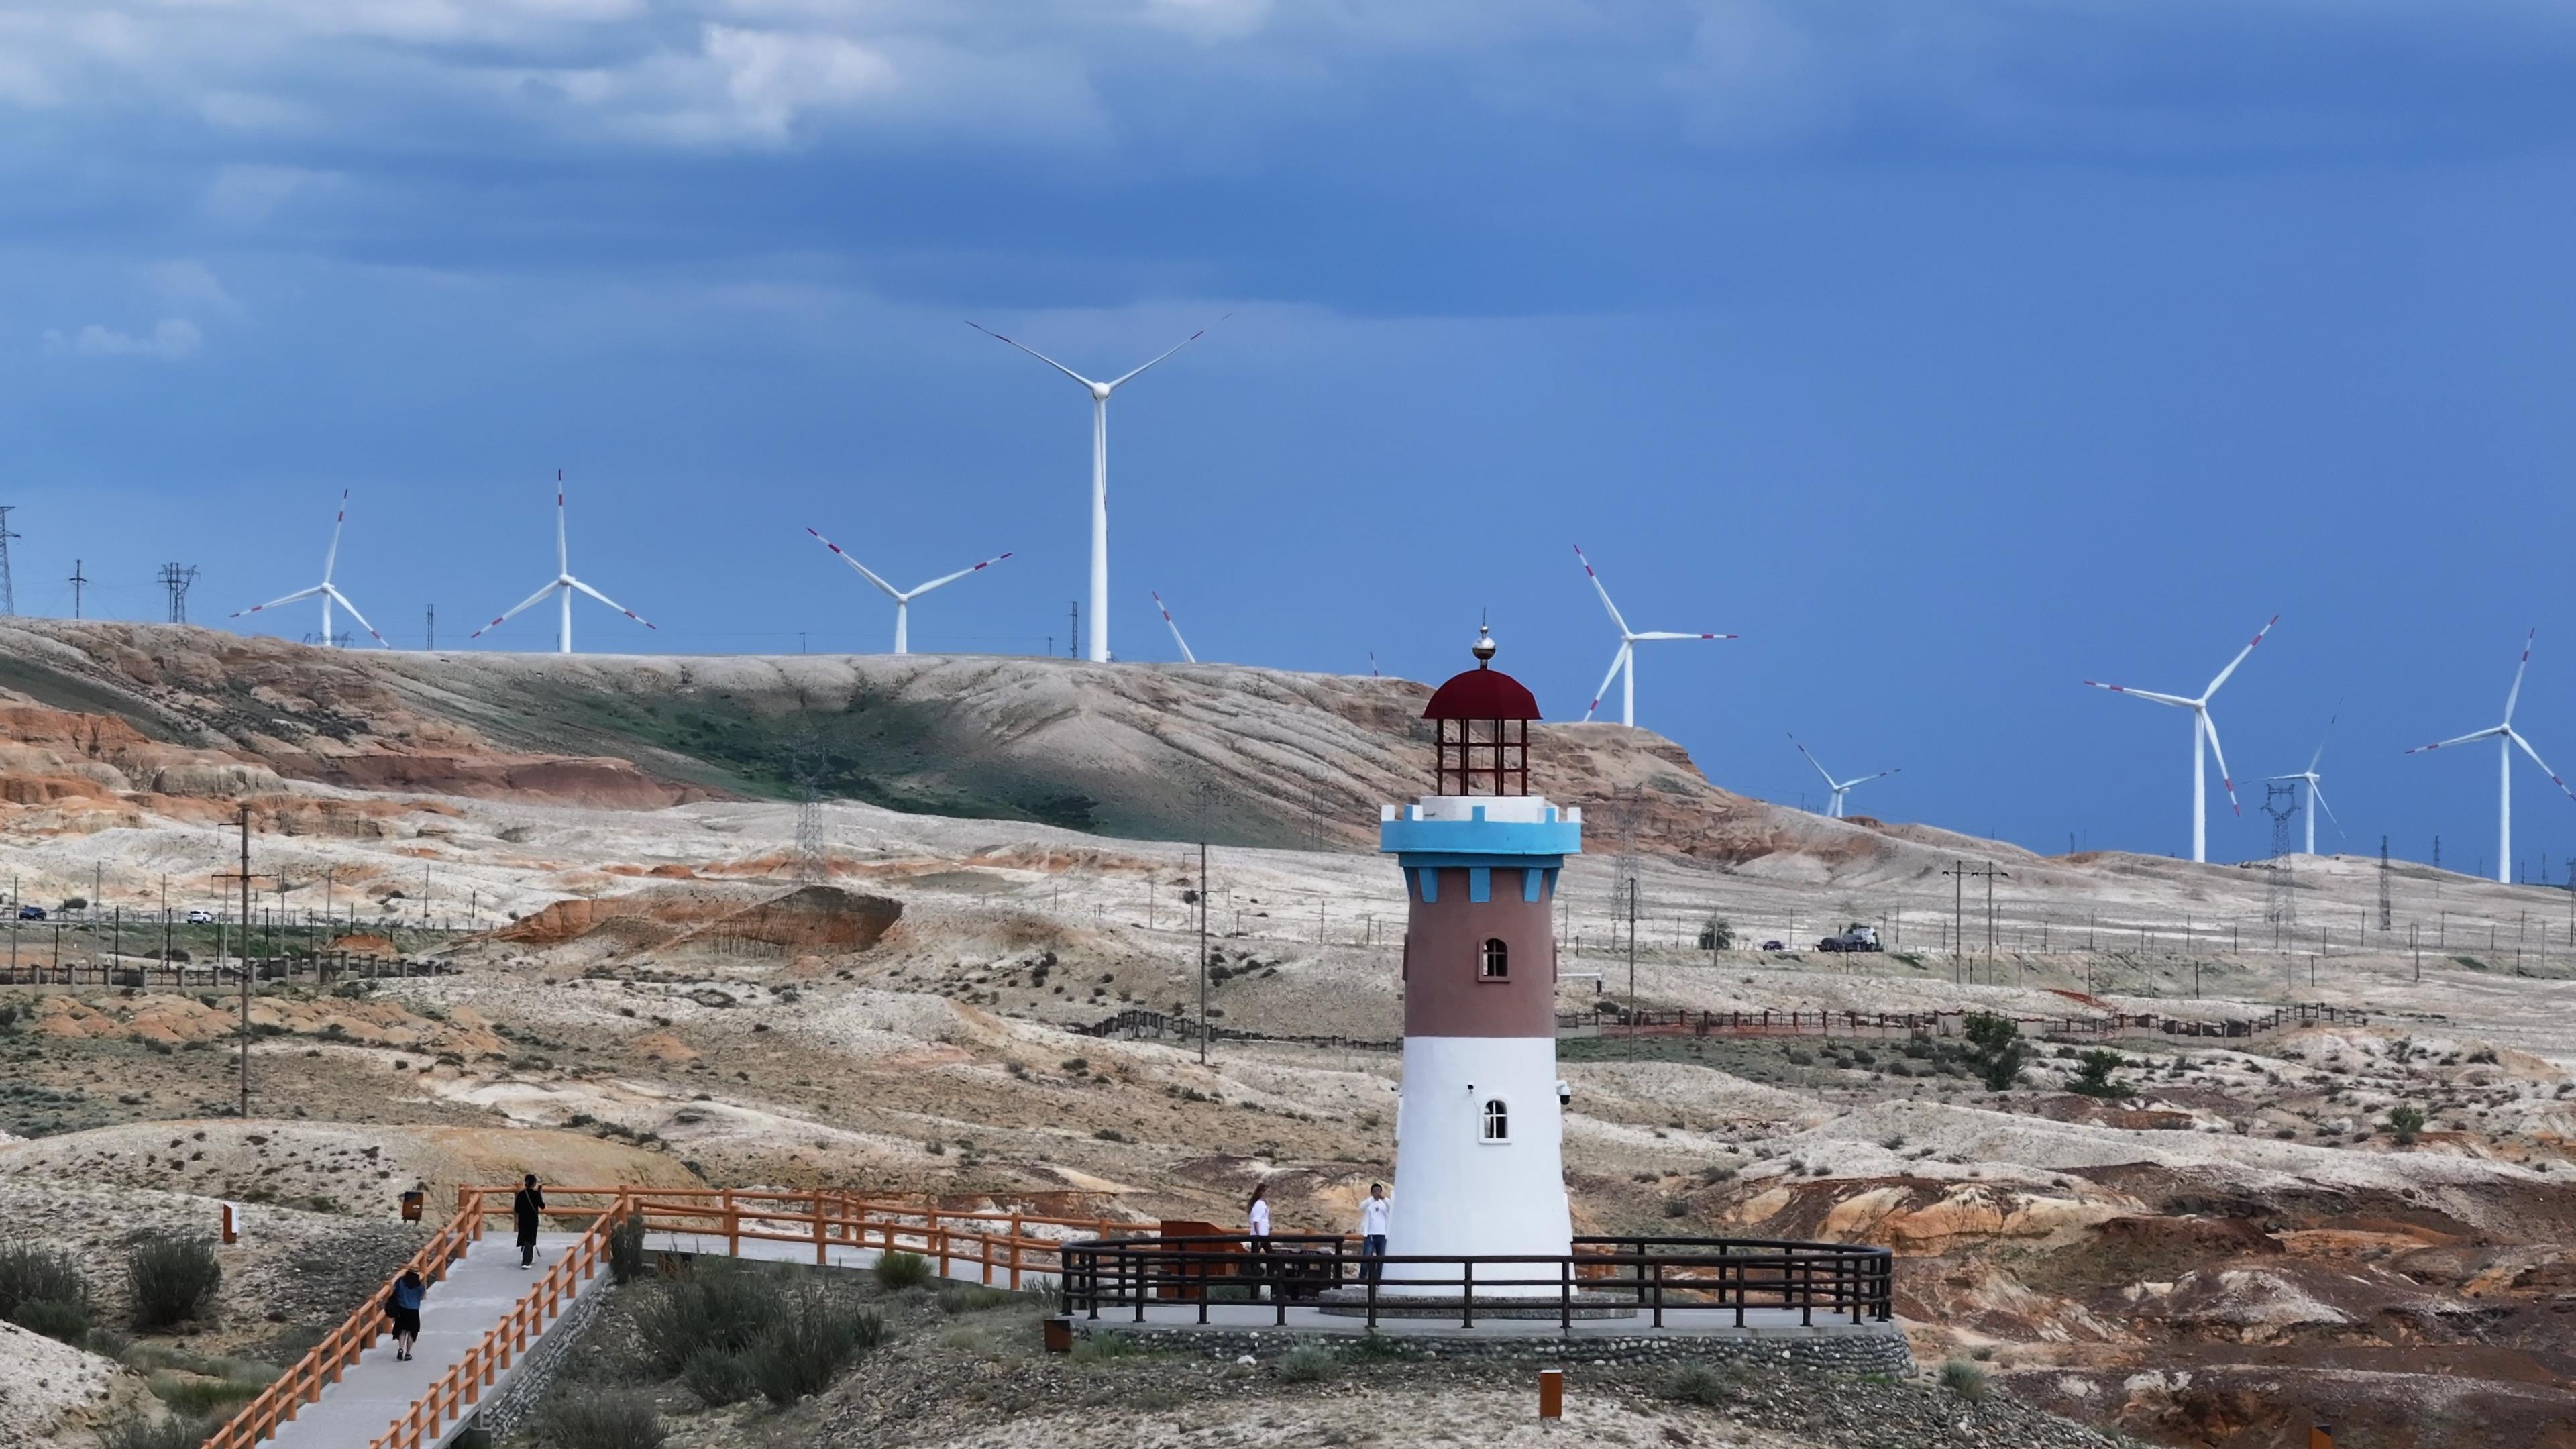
1175,628
2202,726
2507,738
1626,658
328,592
1840,788
1100,391
564,584
902,597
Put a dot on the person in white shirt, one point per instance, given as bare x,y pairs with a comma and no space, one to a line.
1374,1212
1258,1210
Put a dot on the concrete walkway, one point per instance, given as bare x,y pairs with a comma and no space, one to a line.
480,1288
1678,1323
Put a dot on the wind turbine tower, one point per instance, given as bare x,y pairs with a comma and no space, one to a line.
1100,391
2507,738
1626,658
563,584
327,591
1840,788
903,597
2202,727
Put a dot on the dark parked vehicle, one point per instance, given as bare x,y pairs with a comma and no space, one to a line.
1775,945
31,913
1858,938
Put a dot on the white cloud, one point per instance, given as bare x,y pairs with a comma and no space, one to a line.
171,339
248,195
189,284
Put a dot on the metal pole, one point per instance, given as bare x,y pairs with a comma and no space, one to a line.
1632,958
245,974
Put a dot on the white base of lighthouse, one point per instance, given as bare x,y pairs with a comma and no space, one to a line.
1459,1188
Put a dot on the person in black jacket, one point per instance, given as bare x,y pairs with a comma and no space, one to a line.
525,1205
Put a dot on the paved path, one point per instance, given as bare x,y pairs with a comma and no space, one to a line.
480,1288
1678,1322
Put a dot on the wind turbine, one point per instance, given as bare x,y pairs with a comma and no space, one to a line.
1100,392
1626,658
1839,787
564,583
2506,737
329,592
2316,790
903,597
1175,628
2201,726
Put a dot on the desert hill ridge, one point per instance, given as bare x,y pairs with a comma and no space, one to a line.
103,710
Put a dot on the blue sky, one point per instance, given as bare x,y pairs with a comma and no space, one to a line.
1951,355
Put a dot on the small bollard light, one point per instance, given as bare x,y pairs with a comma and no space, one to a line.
411,1207
2321,1436
231,1228
1059,1335
1551,1393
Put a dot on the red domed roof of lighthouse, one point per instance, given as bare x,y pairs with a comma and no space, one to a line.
1482,692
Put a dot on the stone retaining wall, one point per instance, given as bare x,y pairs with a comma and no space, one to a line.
516,1398
1880,1349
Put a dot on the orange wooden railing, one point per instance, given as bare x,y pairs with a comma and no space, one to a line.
455,1393
1004,1248
322,1365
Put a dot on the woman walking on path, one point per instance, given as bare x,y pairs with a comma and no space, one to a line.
403,1307
1258,1210
525,1205
1374,1212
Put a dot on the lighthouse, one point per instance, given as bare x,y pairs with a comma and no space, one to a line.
1479,1161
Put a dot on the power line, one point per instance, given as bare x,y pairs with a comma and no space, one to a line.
78,583
175,578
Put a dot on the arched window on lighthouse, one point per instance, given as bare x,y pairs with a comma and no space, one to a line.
1494,963
1498,1120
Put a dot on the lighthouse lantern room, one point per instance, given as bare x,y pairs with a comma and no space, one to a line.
1479,1165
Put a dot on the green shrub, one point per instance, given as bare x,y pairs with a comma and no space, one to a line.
1700,1383
1716,934
1966,1380
1375,1347
192,1394
2093,1074
1305,1364
602,1421
168,1433
1994,1049
173,1278
721,1305
42,1290
718,1376
975,1298
898,1271
809,1343
2405,1123
626,1248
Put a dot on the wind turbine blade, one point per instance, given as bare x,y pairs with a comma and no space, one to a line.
2517,738
1175,628
865,572
354,614
1597,588
2210,727
1615,661
1813,761
2240,658
1121,380
2485,734
2175,700
516,610
1661,634
1049,361
273,603
2317,793
331,555
612,603
2516,692
951,578
1881,775
563,550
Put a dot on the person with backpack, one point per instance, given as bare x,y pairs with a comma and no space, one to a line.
524,1206
403,1307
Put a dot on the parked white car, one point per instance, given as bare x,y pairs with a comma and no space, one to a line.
201,918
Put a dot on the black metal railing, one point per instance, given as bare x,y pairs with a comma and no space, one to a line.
1730,1276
